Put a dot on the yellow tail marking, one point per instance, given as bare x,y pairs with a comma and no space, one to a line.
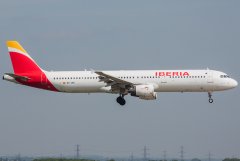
16,45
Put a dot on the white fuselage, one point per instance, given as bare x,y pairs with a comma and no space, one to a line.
162,80
138,83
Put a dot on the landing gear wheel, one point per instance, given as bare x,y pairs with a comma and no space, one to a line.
210,100
121,100
210,97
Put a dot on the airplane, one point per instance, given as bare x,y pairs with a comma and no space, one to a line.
143,84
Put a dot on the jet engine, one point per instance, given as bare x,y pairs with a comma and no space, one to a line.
145,92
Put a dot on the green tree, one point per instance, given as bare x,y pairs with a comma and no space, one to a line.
231,159
195,159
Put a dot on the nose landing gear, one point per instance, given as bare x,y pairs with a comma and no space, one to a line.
121,100
210,97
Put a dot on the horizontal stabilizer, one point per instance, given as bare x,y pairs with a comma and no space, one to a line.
23,78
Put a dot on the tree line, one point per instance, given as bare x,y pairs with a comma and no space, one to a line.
65,159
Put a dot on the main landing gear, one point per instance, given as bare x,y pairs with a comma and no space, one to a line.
121,100
210,97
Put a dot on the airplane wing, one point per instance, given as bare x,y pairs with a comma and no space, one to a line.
114,82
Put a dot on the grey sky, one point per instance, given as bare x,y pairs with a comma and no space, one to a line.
114,35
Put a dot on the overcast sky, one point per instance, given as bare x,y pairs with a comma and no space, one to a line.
115,35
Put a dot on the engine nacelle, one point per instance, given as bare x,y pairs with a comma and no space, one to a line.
145,92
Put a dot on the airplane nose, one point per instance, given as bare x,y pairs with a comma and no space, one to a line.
234,83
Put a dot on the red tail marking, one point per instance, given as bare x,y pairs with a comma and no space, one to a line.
23,64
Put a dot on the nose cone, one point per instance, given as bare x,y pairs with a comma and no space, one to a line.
233,83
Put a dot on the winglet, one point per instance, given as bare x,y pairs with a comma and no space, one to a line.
92,70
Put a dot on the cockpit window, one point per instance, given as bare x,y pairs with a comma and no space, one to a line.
224,76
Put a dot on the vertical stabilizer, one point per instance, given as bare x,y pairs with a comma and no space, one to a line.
21,61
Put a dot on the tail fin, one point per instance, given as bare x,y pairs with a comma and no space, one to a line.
22,63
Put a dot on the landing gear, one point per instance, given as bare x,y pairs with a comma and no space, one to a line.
121,100
210,97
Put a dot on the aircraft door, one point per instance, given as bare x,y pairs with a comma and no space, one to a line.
210,84
163,79
210,76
